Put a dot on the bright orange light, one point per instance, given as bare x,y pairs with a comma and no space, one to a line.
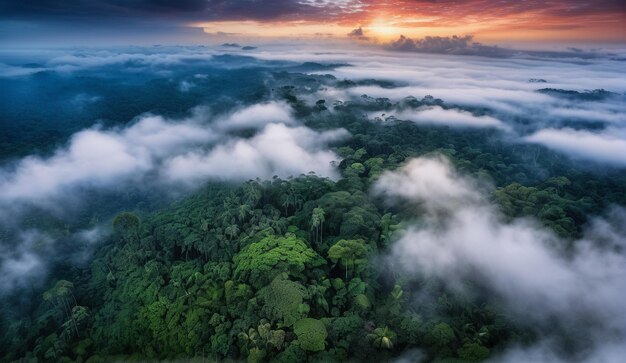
384,25
383,29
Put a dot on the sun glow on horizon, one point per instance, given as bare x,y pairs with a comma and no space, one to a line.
387,26
383,29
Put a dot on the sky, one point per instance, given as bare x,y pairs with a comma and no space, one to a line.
195,21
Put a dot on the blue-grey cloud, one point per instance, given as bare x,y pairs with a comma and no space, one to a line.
465,45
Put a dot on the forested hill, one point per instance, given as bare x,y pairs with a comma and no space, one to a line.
181,204
289,270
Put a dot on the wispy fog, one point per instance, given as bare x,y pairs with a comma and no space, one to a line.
164,151
556,102
435,115
543,100
461,237
276,150
608,146
162,155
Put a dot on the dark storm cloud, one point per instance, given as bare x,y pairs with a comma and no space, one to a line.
292,9
105,8
175,9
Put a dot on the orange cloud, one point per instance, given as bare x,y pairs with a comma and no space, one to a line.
600,20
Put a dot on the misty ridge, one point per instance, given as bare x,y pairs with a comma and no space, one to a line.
293,203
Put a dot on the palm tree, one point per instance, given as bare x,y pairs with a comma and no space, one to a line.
317,223
351,253
232,231
244,211
252,194
59,296
383,338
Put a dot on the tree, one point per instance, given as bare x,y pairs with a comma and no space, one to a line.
59,296
79,315
317,293
473,352
262,261
284,300
383,338
440,335
243,211
350,253
252,193
317,223
127,225
263,337
232,231
311,334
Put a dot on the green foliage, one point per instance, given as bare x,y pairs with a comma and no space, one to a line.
554,210
383,338
352,254
473,352
440,335
126,224
343,331
284,300
362,302
311,334
281,270
262,261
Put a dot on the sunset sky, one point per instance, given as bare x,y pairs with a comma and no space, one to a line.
503,21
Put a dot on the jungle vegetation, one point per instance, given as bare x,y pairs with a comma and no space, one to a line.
288,270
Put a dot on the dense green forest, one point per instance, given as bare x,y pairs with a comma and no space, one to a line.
294,269
283,270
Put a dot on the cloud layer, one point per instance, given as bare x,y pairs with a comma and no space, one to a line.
608,147
481,92
158,154
436,115
276,150
459,45
190,151
463,237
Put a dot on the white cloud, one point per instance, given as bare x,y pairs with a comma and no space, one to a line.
464,237
276,150
437,115
191,150
608,147
499,85
7,70
588,114
25,261
185,86
22,265
157,154
441,188
99,158
257,116
132,57
93,157
161,137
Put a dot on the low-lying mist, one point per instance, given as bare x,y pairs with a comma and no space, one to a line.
93,132
460,236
